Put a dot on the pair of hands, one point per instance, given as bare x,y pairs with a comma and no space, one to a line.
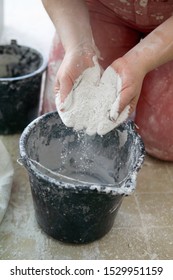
131,76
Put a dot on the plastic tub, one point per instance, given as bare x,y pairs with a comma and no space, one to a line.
78,181
21,70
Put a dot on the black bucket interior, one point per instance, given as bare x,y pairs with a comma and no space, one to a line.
17,61
21,70
91,159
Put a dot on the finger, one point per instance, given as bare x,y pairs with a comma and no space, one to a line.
128,110
133,105
63,89
56,86
66,85
104,127
121,102
91,130
63,106
114,112
67,119
123,116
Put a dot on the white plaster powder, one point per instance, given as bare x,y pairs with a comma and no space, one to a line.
93,102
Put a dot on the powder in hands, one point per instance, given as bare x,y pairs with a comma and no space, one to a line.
92,101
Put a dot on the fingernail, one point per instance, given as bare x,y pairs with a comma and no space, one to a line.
114,117
59,104
57,93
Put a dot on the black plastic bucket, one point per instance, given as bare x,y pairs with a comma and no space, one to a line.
21,70
78,181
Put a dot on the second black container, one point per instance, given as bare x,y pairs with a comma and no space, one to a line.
21,70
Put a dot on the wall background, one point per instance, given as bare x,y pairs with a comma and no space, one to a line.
27,22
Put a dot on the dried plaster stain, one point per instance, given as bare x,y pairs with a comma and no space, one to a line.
157,16
143,3
125,2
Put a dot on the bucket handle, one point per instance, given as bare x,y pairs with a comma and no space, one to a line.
58,175
20,161
61,176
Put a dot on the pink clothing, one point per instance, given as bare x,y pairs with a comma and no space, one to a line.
141,14
117,27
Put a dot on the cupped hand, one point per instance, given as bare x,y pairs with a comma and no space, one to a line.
131,74
73,65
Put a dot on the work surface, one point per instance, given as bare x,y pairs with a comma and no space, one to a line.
143,228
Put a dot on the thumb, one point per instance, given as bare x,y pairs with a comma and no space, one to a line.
62,89
120,104
119,111
122,101
65,88
122,108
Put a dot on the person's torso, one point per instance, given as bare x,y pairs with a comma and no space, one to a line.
144,13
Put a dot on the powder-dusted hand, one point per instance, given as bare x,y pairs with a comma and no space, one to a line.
132,75
74,63
91,100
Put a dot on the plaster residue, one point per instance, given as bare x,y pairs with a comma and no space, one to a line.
93,103
143,3
125,2
158,16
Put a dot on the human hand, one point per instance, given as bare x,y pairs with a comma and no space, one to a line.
73,65
91,100
100,103
132,76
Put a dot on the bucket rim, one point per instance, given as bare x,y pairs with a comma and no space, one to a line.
39,70
115,188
